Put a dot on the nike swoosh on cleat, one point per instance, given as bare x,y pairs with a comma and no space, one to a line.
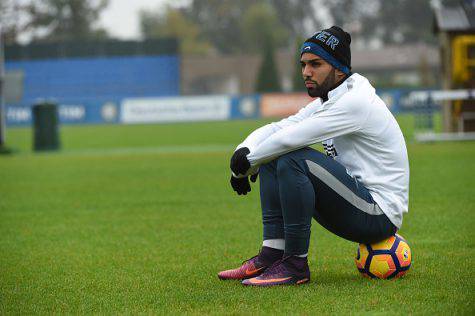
252,272
257,281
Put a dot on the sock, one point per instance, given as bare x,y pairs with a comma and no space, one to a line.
270,255
297,264
274,243
302,256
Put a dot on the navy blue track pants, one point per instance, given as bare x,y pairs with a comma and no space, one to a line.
306,183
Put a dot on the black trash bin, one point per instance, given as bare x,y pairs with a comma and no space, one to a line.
46,126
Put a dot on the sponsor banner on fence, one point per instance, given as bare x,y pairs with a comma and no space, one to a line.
18,115
245,107
68,113
76,112
283,104
175,109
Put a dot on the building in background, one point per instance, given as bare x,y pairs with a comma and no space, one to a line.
455,27
408,66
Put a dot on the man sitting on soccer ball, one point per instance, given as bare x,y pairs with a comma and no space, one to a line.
358,190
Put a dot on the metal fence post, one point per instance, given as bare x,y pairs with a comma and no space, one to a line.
2,106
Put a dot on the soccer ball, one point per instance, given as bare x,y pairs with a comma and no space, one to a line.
387,259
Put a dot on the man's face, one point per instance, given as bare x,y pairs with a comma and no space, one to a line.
319,76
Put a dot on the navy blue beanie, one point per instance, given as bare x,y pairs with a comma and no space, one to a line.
333,45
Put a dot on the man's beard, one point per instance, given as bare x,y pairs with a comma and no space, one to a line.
321,90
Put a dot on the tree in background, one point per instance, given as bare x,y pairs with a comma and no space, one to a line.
352,15
220,22
297,79
260,31
387,22
299,17
11,23
404,21
259,25
66,19
224,22
229,26
171,22
268,77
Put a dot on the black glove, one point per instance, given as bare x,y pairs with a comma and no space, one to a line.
239,163
240,185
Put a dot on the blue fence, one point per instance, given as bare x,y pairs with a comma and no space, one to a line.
96,78
87,112
111,110
147,109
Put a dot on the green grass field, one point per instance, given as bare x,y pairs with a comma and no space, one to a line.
139,219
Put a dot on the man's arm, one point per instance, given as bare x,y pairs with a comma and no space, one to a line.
264,132
344,117
240,165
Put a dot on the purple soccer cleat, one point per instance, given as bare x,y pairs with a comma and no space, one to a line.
254,266
250,268
288,271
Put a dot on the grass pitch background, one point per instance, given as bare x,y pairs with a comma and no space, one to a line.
139,219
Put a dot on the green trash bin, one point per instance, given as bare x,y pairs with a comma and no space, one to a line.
46,126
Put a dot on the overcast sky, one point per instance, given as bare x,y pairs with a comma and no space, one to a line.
121,17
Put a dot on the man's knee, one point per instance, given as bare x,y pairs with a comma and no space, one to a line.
297,158
305,153
290,162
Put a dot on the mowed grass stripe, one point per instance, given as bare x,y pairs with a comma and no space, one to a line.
206,148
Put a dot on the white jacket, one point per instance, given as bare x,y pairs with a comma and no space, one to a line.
358,130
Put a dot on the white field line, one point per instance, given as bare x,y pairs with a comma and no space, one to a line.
159,150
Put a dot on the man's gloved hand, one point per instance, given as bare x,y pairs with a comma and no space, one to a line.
239,163
240,185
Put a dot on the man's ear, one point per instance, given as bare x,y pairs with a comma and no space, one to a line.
339,75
